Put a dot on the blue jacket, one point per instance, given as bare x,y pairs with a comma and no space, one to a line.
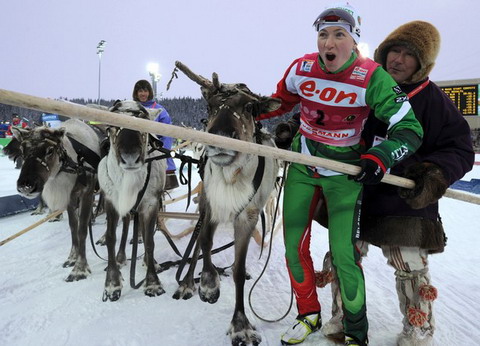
162,117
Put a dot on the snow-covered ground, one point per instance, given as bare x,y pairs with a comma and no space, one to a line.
37,307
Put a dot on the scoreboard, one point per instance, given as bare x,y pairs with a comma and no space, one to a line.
465,97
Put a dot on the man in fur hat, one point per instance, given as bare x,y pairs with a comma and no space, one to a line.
405,223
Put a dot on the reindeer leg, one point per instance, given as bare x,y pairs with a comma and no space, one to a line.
241,331
40,208
140,238
187,284
209,290
113,279
84,209
121,254
72,222
153,286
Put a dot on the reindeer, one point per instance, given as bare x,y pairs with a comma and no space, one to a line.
236,188
13,151
197,149
128,182
60,164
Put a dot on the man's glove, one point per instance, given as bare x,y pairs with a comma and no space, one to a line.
430,185
372,172
285,131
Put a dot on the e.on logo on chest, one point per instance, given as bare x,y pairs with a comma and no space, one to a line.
329,94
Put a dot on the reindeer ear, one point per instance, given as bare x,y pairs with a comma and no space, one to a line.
206,93
269,104
147,113
153,113
118,104
19,133
54,135
58,134
115,106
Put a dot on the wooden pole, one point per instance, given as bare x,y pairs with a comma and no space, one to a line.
29,228
177,215
195,191
182,145
73,110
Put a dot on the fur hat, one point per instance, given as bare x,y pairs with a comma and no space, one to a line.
422,38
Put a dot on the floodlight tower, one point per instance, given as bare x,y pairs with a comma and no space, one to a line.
100,49
153,71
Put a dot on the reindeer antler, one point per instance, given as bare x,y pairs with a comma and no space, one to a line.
216,82
214,85
204,82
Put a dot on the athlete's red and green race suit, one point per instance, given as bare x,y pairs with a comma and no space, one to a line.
334,108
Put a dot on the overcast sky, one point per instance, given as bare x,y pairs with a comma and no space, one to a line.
48,47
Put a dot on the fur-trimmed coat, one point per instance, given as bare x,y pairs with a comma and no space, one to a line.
386,218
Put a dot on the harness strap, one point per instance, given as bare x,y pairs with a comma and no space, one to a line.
186,160
83,154
134,254
135,231
281,183
157,145
257,179
90,232
88,155
168,264
189,248
144,188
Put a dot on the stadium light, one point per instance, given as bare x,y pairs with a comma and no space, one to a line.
100,49
153,71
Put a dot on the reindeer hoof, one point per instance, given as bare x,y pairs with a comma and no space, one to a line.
246,337
75,277
112,296
184,291
209,295
209,286
37,212
56,218
78,273
186,294
256,340
154,291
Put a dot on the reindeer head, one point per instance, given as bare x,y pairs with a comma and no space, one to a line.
42,153
232,109
129,146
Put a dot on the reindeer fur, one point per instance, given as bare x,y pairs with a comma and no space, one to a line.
122,175
44,151
229,194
